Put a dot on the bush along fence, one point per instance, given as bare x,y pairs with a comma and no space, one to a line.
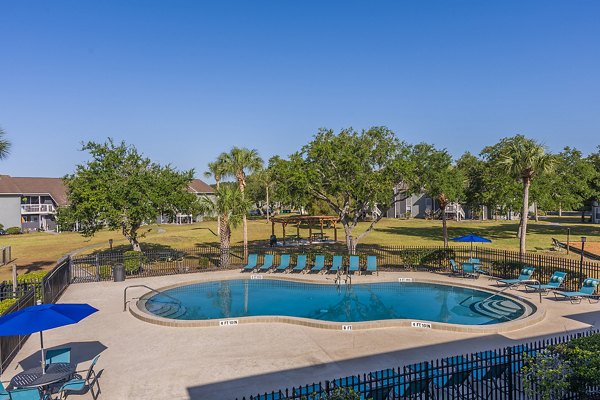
505,373
48,290
499,263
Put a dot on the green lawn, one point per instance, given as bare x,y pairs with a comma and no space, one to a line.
39,251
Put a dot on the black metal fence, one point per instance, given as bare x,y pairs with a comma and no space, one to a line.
54,284
494,374
499,263
10,345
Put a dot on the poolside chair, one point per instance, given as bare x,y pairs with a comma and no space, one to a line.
525,276
354,264
252,259
469,271
27,394
284,263
300,263
454,270
3,393
372,264
267,263
62,355
477,264
336,264
81,385
319,264
399,384
587,291
556,281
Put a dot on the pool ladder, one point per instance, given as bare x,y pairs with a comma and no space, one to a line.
147,287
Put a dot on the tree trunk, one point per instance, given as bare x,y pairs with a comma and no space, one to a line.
350,241
535,208
245,223
522,247
444,227
224,239
219,215
560,209
267,204
135,244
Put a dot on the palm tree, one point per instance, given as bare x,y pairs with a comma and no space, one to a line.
237,163
4,145
265,178
231,206
525,158
216,171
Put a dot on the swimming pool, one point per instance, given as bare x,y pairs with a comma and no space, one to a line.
328,302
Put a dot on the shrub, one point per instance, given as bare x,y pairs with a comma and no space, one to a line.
13,230
36,276
105,271
203,262
6,304
132,261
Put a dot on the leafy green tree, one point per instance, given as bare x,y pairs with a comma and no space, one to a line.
353,172
232,206
524,159
438,178
237,163
500,191
290,186
259,188
4,145
216,170
473,169
120,189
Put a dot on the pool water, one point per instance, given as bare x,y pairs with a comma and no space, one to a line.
329,302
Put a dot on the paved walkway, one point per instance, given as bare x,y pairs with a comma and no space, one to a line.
143,361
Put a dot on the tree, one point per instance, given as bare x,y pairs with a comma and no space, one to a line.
259,187
353,172
525,159
438,178
120,189
216,170
237,163
231,205
4,145
473,169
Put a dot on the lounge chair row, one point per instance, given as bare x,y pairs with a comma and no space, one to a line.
587,291
301,265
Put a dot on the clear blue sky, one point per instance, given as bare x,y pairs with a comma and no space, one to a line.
186,80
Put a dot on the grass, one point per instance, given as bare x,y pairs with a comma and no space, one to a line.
40,251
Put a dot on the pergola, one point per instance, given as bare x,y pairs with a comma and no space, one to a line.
310,219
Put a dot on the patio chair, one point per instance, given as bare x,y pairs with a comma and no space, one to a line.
284,263
267,263
319,264
525,276
477,264
62,355
252,259
399,384
27,394
300,263
454,270
587,291
354,264
372,264
80,384
3,393
469,271
556,281
336,264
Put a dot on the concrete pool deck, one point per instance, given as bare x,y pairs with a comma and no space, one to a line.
140,360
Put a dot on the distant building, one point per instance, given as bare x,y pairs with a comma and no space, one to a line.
421,206
596,212
200,189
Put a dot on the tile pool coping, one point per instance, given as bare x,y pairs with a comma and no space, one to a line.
534,313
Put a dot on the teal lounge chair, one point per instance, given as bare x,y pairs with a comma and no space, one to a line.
587,291
54,356
319,264
336,264
556,281
372,264
454,270
354,264
477,264
300,263
252,259
267,263
469,271
284,263
525,276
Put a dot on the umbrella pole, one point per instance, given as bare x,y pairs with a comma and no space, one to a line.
43,358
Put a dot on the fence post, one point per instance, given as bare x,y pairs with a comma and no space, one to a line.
97,268
512,374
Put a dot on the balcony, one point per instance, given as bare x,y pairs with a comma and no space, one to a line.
38,209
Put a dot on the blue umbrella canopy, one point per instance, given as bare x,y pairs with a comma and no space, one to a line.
43,317
472,238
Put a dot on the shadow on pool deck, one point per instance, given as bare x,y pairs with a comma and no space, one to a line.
256,384
80,352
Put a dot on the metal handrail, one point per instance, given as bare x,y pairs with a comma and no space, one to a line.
527,281
147,287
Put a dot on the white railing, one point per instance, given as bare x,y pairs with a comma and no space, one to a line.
38,208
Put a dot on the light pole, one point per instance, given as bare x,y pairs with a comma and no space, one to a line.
583,239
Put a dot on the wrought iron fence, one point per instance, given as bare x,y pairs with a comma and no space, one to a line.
10,345
54,284
493,374
499,263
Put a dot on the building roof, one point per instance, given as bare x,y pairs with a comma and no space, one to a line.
198,186
54,187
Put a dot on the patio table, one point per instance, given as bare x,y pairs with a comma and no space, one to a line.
34,377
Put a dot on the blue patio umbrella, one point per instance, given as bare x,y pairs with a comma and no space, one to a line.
43,317
471,238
